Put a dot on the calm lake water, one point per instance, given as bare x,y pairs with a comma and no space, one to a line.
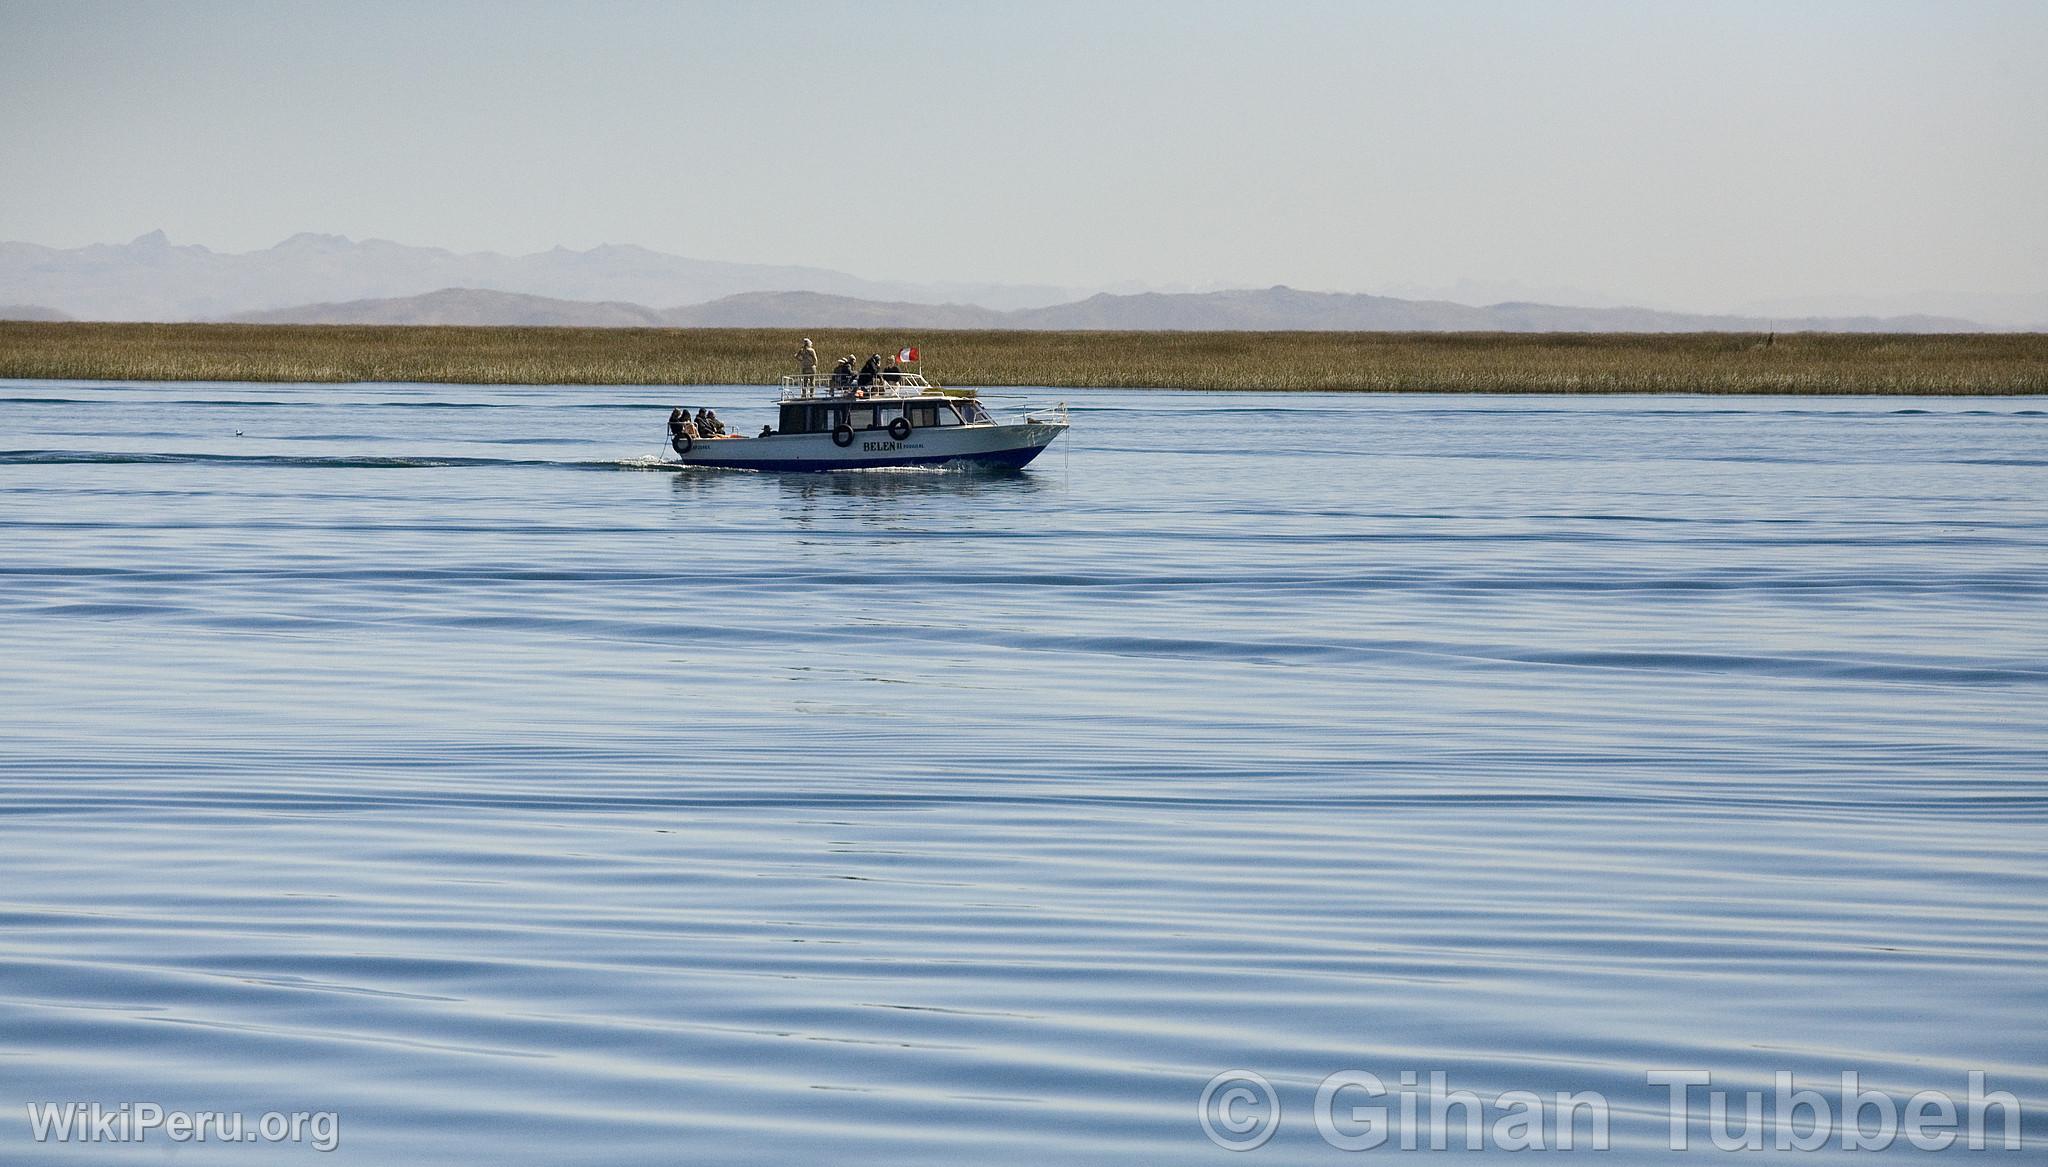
433,756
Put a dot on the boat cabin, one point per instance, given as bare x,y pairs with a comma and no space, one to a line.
813,405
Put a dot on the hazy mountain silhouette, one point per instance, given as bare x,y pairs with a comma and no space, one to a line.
1271,309
331,279
467,306
811,309
2026,312
151,278
30,312
1286,309
746,310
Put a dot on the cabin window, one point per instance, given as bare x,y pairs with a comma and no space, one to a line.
973,412
862,417
922,416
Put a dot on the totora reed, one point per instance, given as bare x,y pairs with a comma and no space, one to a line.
1430,362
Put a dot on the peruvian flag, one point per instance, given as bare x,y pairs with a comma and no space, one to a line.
908,354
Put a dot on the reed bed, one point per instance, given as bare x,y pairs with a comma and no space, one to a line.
1434,362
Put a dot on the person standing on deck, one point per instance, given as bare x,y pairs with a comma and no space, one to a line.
807,359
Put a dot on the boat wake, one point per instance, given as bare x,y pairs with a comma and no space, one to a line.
643,462
317,461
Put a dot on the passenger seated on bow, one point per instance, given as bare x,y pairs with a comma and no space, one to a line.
676,420
871,370
688,429
842,373
716,428
767,431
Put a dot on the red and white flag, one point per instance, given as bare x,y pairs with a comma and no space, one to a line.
908,354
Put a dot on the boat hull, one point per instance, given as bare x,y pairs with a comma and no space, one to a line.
1010,446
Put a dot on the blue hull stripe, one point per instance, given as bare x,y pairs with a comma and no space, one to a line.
1009,458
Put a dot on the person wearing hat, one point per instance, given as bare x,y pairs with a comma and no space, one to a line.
807,359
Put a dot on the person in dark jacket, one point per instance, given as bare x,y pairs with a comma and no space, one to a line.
842,373
871,371
676,420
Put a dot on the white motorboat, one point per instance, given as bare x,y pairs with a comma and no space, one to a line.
898,419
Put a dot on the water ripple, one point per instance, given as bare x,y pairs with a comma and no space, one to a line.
545,817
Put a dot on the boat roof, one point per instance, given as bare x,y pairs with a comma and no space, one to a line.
820,386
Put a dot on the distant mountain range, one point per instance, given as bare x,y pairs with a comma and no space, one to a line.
151,278
745,310
1272,309
328,279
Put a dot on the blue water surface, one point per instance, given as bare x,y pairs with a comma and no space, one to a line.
438,756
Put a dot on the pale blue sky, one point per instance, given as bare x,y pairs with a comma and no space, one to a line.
1699,154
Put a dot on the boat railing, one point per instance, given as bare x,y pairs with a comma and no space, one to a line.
826,385
1055,412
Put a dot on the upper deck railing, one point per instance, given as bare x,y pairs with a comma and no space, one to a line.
826,385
